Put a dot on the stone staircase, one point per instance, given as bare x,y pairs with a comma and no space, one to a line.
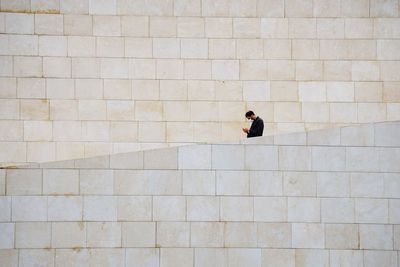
321,198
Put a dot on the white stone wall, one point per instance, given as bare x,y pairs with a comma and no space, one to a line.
80,78
325,198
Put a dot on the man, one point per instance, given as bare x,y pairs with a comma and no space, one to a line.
257,126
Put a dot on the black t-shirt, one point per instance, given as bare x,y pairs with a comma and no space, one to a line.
257,128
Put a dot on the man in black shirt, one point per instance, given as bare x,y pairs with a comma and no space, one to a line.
257,126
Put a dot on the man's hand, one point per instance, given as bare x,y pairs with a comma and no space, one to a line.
245,130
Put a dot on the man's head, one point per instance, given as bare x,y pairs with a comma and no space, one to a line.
250,115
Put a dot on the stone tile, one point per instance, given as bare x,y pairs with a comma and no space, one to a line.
169,208
32,257
232,183
270,209
202,208
263,183
261,158
103,234
134,208
206,234
289,158
380,258
362,135
133,160
5,208
303,209
312,257
367,185
64,208
333,184
68,235
9,257
143,257
341,236
164,159
100,208
337,210
96,182
362,159
346,258
299,183
242,256
308,235
368,210
33,235
240,234
236,209
173,234
67,257
274,235
198,183
60,182
278,258
24,182
375,236
107,257
138,234
388,158
235,160
176,257
194,157
29,208
7,237
328,158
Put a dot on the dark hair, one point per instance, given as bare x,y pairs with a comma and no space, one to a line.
249,113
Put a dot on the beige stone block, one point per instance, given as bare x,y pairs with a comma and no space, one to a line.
302,209
196,182
64,208
200,90
110,47
45,6
384,8
103,234
393,111
187,8
270,209
139,47
173,90
22,45
9,109
376,237
114,68
38,131
100,208
173,234
388,49
232,183
60,88
95,130
283,91
287,112
52,46
197,69
120,110
106,257
218,27
170,69
2,183
380,258
148,110
206,234
28,67
343,112
340,91
266,183
190,27
204,111
68,150
277,49
203,208
34,109
49,24
143,256
305,49
329,28
142,68
221,160
6,66
370,210
168,208
77,24
162,159
145,90
85,68
249,48
33,235
22,182
278,257
362,49
370,112
394,207
206,131
346,258
270,8
256,91
358,28
246,27
315,112
19,23
134,208
7,238
176,257
92,109
68,235
228,90
243,8
391,93
385,28
81,46
8,88
312,91
136,26
222,48
63,109
362,159
13,152
31,88
387,159
274,235
388,71
274,27
308,235
281,70
32,257
299,184
123,131
333,184
243,256
9,257
305,27
365,71
166,48
231,111
241,234
60,182
89,89
41,152
194,48
102,7
195,157
138,234
163,26
11,131
296,8
253,70
236,209
341,236
68,257
358,8
309,70
328,158
117,89
215,8
311,257
106,26
57,67
152,131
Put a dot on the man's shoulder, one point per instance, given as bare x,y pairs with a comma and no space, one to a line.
259,119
